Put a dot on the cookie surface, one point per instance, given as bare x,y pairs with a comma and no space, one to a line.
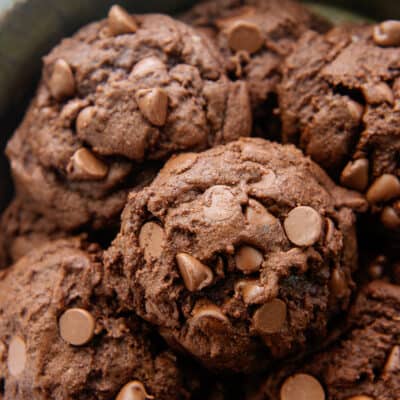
23,230
239,255
339,101
118,96
61,338
255,36
364,364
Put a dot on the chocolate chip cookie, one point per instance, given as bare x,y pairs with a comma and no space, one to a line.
254,37
339,101
118,95
364,364
240,255
60,338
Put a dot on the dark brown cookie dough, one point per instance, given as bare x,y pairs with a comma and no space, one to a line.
60,338
254,37
364,364
339,101
117,95
240,255
22,230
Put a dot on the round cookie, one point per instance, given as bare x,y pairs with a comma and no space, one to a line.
118,95
240,255
339,100
254,37
364,363
60,338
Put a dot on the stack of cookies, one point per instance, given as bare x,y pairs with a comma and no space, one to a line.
207,207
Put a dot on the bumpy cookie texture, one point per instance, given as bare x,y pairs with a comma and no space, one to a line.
254,37
61,339
23,230
119,94
240,255
340,102
364,364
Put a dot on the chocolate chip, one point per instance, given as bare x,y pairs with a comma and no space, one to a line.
303,226
134,390
238,14
257,214
179,163
62,81
270,317
85,166
221,204
76,326
330,230
251,291
302,387
208,311
378,93
248,259
120,21
84,119
16,356
375,271
390,218
148,66
355,175
385,188
245,36
376,267
393,362
387,33
356,110
151,240
267,185
195,274
338,283
153,103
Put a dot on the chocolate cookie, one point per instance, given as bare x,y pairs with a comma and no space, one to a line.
60,338
339,101
254,37
239,255
364,364
22,230
119,94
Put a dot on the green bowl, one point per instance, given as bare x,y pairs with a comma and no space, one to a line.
29,28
